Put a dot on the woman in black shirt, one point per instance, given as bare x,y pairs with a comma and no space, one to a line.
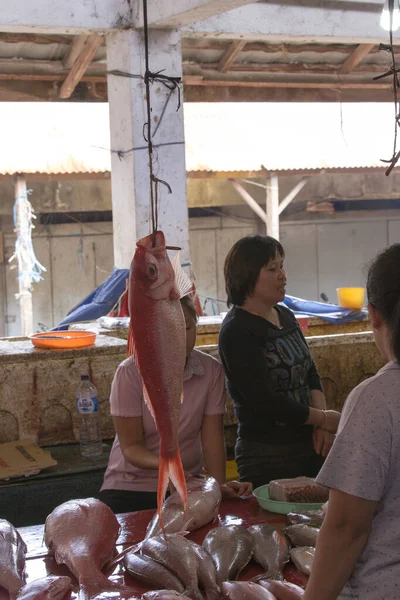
284,429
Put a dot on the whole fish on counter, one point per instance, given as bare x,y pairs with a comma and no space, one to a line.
151,573
245,590
303,559
302,535
314,518
283,590
271,549
157,340
206,572
12,558
180,556
231,548
53,587
82,535
202,505
164,595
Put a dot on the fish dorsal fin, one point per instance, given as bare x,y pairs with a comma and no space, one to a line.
183,282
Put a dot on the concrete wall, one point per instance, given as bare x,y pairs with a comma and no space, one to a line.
320,256
77,258
37,387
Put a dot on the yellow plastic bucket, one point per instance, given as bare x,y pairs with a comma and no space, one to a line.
351,297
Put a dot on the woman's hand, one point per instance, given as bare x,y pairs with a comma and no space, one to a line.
322,441
236,489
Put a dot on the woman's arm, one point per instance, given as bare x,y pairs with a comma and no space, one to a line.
317,399
213,444
343,537
322,439
131,439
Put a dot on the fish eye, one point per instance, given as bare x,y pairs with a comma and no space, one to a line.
152,271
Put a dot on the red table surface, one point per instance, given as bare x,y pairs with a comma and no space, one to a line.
246,512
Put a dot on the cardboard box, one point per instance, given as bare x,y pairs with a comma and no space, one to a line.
23,458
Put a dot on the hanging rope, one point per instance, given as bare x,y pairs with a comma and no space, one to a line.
29,267
172,84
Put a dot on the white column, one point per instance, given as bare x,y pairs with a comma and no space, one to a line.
130,172
273,206
24,281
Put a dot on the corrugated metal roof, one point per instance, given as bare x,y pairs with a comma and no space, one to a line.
55,138
290,136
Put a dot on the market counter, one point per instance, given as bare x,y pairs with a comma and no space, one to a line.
133,527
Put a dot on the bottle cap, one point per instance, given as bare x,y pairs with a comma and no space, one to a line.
84,377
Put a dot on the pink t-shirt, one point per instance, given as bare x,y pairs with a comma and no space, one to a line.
203,394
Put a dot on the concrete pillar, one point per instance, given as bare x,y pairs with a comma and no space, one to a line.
129,171
273,206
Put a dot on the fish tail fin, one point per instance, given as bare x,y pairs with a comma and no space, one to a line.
177,476
91,586
170,468
110,566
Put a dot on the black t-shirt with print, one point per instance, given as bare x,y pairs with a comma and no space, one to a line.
270,373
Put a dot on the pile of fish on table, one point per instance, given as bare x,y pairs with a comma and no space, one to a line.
82,535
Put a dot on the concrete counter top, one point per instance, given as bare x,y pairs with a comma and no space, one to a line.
23,350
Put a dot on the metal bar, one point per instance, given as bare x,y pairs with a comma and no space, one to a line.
292,195
249,200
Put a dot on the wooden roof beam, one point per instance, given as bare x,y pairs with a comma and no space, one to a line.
230,55
332,85
173,15
355,58
81,63
75,49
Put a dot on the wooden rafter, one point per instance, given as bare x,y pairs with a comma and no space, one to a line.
230,55
270,48
25,67
355,58
74,51
82,61
289,84
34,38
301,68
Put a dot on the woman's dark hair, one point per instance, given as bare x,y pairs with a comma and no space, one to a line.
188,303
383,290
243,265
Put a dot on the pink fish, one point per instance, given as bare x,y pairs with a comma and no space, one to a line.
157,339
53,587
82,535
12,558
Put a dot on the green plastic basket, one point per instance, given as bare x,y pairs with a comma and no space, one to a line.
283,508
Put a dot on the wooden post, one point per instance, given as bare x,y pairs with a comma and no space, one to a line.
25,294
273,206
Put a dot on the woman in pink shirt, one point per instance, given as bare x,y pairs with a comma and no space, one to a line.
130,481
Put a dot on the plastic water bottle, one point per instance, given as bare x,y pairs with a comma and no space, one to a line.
87,406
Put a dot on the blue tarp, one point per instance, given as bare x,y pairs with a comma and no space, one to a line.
101,301
328,312
98,303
